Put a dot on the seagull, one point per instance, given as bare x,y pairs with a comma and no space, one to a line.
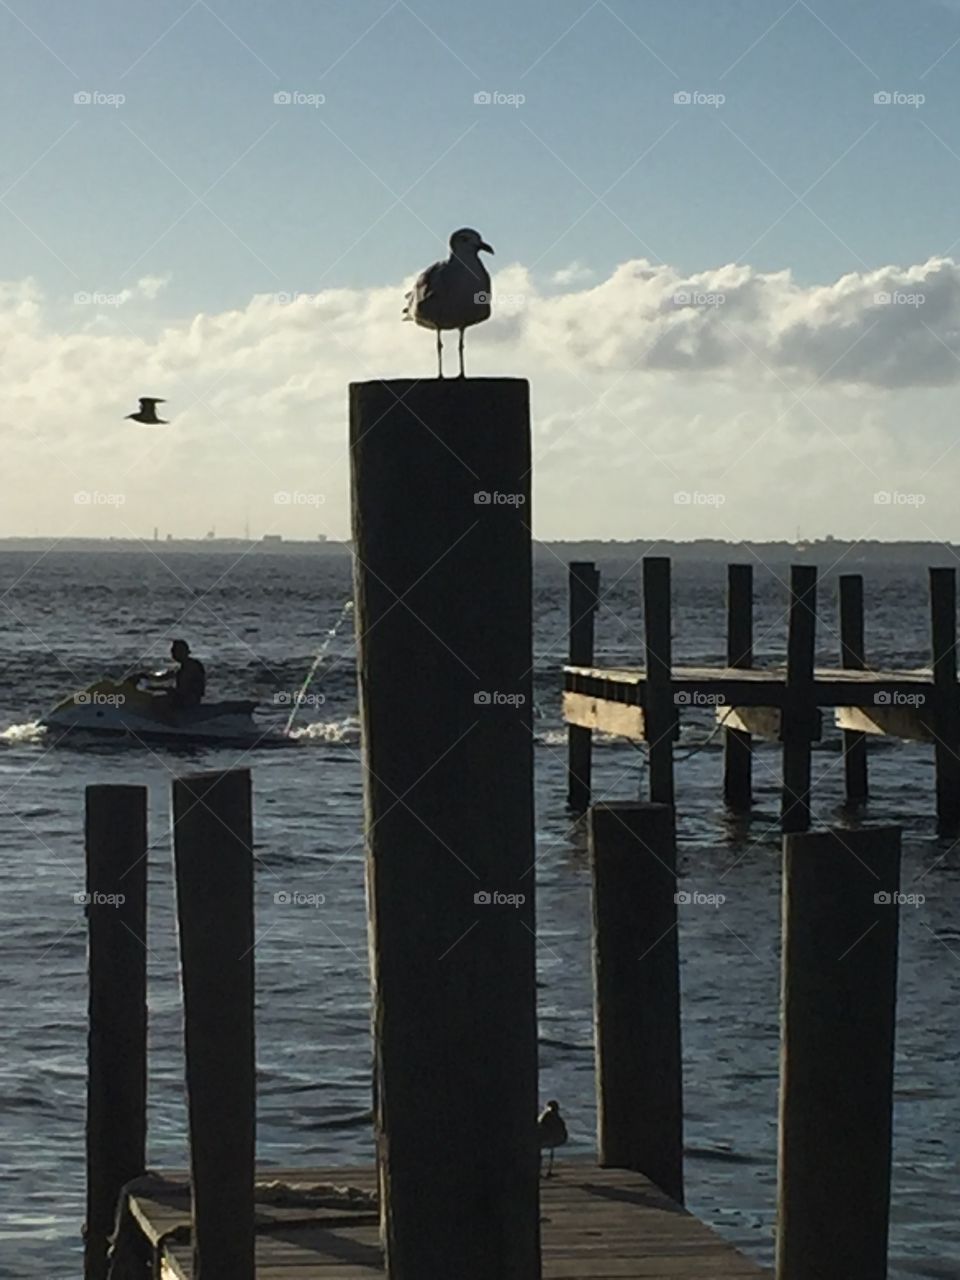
553,1132
148,412
453,294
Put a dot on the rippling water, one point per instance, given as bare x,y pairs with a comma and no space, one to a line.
69,618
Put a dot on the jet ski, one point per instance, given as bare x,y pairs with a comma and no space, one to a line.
128,709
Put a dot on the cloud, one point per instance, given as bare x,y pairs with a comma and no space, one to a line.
575,273
792,400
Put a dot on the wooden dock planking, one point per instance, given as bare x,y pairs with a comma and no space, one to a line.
597,1224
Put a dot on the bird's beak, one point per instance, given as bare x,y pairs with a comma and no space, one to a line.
487,248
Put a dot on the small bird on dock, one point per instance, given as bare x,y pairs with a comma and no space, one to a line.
148,412
453,294
553,1131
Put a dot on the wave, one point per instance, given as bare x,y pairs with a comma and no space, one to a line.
329,732
18,734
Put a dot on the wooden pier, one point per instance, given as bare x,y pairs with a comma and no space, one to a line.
596,1224
782,703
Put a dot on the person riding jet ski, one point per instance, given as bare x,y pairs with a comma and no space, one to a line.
190,679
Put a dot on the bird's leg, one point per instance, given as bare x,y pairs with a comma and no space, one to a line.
550,1167
439,354
461,353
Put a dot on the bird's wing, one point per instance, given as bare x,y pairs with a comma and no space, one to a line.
150,400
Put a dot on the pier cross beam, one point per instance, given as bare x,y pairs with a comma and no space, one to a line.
442,544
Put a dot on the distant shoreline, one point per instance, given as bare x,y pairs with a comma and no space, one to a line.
828,552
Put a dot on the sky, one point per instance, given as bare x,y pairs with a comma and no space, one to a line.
727,255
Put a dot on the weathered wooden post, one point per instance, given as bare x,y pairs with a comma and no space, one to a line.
839,975
441,502
584,585
660,712
213,851
636,971
946,717
853,657
800,722
738,745
116,907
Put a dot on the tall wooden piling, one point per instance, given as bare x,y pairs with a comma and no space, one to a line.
213,851
584,584
660,712
946,717
441,504
637,991
800,720
853,657
738,745
840,914
116,906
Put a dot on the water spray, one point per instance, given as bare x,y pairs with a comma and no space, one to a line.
321,654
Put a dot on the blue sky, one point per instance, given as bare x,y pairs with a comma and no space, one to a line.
195,207
297,186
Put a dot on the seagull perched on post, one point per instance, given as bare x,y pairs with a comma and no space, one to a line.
148,412
453,294
553,1132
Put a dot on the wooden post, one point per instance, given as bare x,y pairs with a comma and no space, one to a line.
441,502
800,719
116,907
584,590
943,618
738,746
636,973
837,1040
853,657
213,850
660,712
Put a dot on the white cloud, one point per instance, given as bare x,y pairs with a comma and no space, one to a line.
575,273
150,286
795,402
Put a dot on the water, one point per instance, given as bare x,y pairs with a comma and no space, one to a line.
69,618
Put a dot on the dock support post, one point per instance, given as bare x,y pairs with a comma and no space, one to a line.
584,591
213,851
441,489
946,717
800,720
738,746
636,973
853,657
840,919
116,907
660,712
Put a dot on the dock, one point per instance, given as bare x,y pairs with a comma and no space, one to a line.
596,1224
781,703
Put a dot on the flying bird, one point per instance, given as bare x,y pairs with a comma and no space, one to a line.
148,412
553,1131
453,294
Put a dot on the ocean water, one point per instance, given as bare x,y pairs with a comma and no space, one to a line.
67,619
